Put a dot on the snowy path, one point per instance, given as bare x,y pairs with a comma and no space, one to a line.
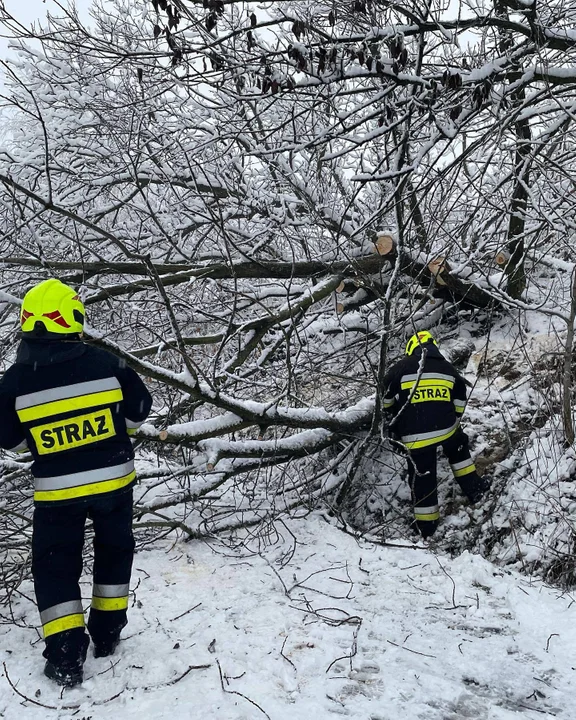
431,638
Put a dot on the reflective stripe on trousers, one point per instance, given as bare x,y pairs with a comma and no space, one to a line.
61,617
463,468
432,512
110,597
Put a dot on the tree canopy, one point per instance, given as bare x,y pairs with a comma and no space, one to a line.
259,201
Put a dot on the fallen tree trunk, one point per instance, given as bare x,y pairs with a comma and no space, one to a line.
176,273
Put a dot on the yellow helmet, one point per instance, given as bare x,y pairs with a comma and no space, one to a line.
55,306
419,339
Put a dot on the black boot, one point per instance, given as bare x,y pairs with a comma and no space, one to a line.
106,647
67,676
65,654
478,489
426,528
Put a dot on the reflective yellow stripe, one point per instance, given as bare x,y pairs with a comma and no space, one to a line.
65,623
81,490
427,383
58,407
429,441
104,603
131,431
427,516
465,471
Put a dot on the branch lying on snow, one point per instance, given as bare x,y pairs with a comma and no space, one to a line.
168,524
249,411
198,489
302,444
299,445
326,482
189,434
246,518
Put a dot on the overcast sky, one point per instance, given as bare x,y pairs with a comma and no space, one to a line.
28,11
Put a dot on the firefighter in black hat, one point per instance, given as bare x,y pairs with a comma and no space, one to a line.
74,406
427,397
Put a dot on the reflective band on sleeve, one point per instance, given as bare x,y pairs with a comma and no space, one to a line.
132,427
110,591
66,623
21,447
431,512
108,604
430,438
463,468
70,405
92,482
459,405
388,402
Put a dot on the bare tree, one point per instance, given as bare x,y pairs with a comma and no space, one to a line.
218,179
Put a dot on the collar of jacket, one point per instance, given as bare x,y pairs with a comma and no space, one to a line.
43,351
431,352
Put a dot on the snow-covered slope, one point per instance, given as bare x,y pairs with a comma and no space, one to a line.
328,626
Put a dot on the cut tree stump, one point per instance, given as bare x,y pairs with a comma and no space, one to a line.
438,267
502,258
385,244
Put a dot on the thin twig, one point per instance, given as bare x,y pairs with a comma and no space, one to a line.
543,712
284,656
185,612
235,692
416,652
31,700
190,668
550,638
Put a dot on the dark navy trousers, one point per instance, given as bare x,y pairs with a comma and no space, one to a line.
423,481
57,545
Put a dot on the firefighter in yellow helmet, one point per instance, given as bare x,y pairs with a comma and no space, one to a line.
73,407
426,397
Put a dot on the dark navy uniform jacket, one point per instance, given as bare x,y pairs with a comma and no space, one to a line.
427,398
73,406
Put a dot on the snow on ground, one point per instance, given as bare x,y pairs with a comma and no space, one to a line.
339,628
